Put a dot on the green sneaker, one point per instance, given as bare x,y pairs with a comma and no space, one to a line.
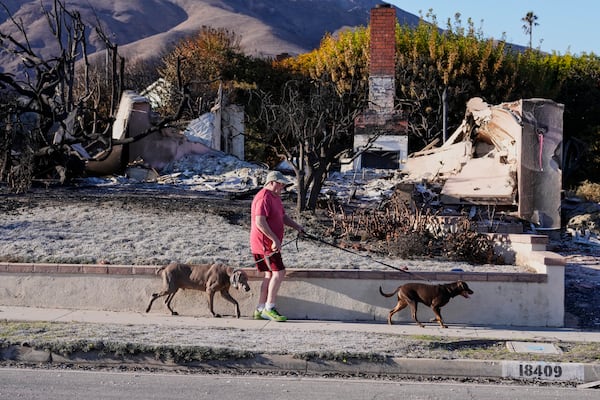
273,315
258,314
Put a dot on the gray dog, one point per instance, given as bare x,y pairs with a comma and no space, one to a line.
210,278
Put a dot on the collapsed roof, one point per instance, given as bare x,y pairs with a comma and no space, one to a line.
508,154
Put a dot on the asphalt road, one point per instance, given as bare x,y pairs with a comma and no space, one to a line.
66,384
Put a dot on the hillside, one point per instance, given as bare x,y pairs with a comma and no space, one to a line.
145,28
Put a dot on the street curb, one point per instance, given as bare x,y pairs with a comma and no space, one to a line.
287,363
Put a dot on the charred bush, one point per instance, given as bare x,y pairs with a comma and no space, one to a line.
400,229
468,245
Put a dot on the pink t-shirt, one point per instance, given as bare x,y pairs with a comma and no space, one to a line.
267,204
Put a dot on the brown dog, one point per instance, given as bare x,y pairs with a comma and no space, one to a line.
434,296
211,278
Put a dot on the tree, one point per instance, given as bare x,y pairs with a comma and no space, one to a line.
58,101
49,114
197,65
530,21
310,123
309,119
580,93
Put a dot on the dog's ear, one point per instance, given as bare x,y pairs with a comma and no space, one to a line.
464,286
234,279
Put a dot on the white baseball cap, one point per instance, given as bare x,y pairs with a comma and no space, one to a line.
277,177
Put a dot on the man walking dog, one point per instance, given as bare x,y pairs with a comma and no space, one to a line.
266,234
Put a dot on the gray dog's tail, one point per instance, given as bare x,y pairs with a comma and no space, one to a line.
388,294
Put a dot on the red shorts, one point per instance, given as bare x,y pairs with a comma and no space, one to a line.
272,262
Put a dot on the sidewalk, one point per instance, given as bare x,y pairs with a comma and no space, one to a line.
432,329
301,337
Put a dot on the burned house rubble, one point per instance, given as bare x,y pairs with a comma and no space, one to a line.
506,156
152,157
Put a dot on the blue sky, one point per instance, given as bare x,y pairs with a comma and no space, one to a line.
564,26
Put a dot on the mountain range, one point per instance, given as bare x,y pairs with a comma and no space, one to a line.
146,28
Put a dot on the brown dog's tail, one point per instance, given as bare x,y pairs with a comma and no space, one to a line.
388,294
158,271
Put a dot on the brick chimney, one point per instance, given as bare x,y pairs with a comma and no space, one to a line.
382,85
380,133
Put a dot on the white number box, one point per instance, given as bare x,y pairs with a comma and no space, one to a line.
539,370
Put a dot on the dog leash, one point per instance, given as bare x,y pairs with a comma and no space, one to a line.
266,257
317,239
401,269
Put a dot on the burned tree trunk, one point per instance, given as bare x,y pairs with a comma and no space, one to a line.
44,110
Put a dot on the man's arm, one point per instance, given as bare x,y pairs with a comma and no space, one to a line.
263,226
291,223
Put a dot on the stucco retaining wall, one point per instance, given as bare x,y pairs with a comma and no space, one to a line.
500,299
